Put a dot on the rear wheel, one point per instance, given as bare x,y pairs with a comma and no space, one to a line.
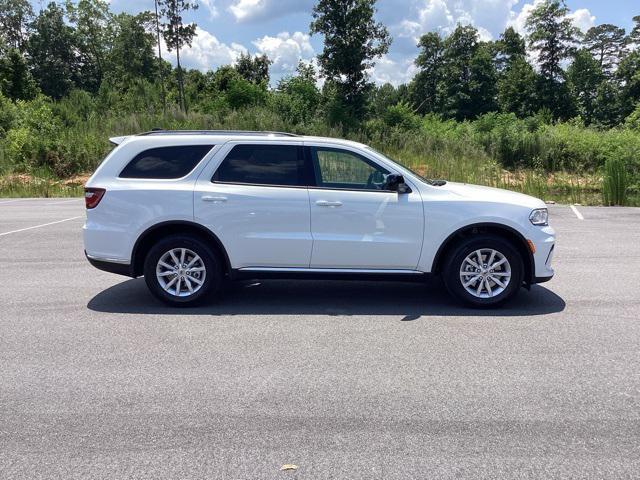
484,271
182,271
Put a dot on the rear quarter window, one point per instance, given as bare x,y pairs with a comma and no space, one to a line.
165,162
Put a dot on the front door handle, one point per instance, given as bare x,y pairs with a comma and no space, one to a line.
211,198
326,203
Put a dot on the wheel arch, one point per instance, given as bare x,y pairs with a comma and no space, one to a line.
501,230
150,236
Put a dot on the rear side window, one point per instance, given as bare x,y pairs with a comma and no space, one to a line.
263,165
165,162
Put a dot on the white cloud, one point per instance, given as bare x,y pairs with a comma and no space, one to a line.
387,70
488,16
250,10
582,19
207,52
210,6
285,50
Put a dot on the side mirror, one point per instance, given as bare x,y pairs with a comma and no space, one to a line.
395,183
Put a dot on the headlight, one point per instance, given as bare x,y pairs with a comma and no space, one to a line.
540,217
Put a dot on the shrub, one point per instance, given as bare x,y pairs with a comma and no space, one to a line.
401,115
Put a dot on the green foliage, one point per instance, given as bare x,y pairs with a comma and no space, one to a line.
15,17
553,37
615,182
402,116
517,88
584,76
242,93
16,82
8,113
352,40
177,34
424,87
51,49
607,43
298,98
253,69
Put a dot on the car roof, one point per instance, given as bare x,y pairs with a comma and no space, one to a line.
223,136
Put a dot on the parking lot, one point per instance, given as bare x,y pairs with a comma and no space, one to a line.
345,380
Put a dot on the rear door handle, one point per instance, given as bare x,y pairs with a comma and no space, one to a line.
326,203
211,198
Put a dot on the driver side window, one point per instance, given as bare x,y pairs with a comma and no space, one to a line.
335,168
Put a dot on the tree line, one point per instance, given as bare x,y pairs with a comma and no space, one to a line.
554,68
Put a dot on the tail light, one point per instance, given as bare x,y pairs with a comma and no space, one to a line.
92,196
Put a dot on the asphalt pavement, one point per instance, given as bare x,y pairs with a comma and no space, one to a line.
345,380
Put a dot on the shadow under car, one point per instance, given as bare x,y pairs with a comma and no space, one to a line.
325,297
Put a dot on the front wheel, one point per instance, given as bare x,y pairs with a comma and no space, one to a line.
182,271
484,271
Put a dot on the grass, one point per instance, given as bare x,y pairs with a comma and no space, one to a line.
464,152
26,186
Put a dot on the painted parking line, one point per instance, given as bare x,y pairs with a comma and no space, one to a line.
59,202
40,226
578,214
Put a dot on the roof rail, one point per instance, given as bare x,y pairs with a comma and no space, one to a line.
159,131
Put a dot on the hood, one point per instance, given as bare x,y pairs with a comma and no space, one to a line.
493,195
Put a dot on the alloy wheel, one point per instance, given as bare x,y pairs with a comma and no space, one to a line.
485,273
181,272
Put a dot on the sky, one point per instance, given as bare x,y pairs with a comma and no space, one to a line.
280,28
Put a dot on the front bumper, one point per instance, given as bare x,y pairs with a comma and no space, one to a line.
544,240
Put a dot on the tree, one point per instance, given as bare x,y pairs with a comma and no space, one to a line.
94,36
16,81
51,52
517,89
608,109
607,44
382,98
425,84
352,41
467,87
584,76
176,34
131,56
511,46
553,37
628,75
15,17
634,35
298,97
254,69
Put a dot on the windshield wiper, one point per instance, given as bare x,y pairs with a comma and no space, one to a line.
438,183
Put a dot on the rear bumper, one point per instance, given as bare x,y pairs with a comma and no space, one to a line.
537,280
111,267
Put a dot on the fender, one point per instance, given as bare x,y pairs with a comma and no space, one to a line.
521,244
170,227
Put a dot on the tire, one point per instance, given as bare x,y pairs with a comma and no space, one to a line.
191,286
487,287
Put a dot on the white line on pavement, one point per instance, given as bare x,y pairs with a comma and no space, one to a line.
578,214
63,201
38,226
11,201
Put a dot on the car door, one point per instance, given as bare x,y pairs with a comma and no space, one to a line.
255,199
355,223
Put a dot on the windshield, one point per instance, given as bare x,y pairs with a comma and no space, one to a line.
402,167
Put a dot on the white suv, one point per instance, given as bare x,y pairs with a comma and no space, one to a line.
188,209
